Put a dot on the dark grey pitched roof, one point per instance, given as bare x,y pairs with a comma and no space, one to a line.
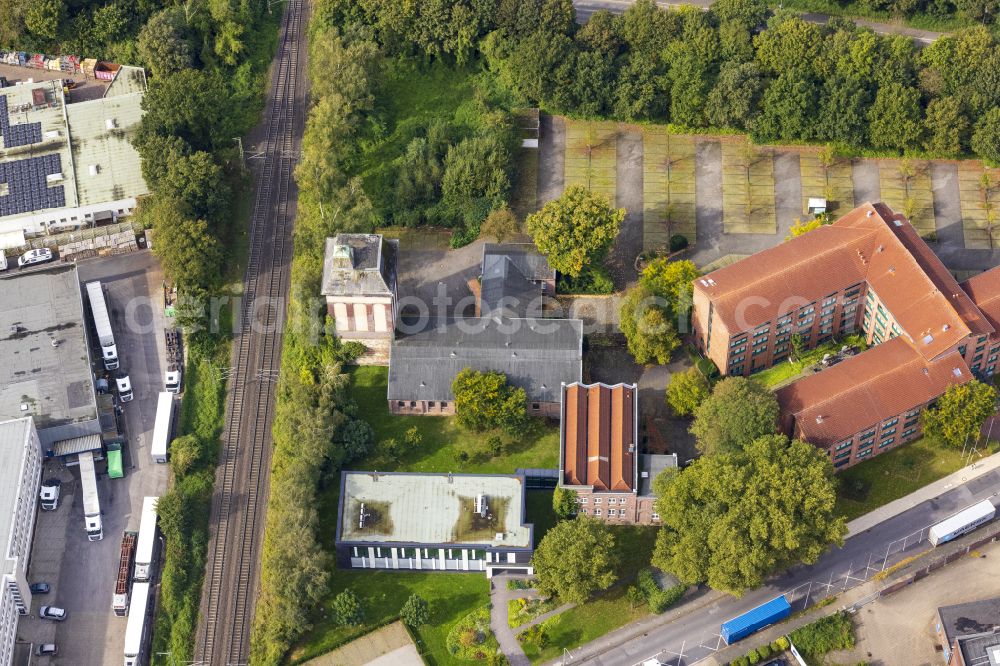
525,256
510,283
537,355
359,265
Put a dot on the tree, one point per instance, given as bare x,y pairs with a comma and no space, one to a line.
42,18
347,609
946,127
749,13
842,115
895,117
731,520
958,415
575,559
501,224
986,137
564,502
800,228
734,99
980,11
190,254
575,230
416,611
739,411
163,43
357,438
645,322
672,281
484,400
788,107
192,104
196,182
686,391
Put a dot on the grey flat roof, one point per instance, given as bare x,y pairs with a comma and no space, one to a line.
13,438
971,619
537,355
359,265
433,509
43,344
650,466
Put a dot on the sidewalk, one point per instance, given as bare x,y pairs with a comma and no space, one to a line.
930,491
499,596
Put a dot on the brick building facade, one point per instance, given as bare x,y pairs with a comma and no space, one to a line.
869,274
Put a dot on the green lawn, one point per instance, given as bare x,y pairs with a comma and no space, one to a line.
785,372
539,512
382,594
608,611
892,475
442,437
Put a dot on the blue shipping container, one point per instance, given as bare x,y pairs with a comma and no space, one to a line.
742,626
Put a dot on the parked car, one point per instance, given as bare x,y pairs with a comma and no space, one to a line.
39,256
47,650
777,662
124,385
40,588
52,613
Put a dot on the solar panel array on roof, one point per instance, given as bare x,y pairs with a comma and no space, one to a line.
27,187
23,134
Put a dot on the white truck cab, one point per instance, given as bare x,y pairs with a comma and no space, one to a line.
124,385
172,379
49,494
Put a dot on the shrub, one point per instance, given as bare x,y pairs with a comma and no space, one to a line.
659,600
413,438
782,643
764,651
678,242
415,611
495,446
835,632
347,609
753,657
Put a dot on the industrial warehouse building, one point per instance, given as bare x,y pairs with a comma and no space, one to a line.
433,522
599,456
20,477
67,166
46,372
868,273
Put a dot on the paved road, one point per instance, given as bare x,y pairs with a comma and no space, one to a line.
695,635
584,8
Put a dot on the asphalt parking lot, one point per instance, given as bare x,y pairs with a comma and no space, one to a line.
82,573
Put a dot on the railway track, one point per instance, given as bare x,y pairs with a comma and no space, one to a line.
241,486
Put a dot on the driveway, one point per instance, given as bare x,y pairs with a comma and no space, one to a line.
628,195
551,158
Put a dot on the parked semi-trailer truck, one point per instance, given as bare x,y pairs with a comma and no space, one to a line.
962,522
102,324
146,546
91,502
119,603
754,620
137,628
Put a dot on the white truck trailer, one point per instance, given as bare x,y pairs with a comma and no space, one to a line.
91,501
962,522
146,545
137,628
102,324
161,426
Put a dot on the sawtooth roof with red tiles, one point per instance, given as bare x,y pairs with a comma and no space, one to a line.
598,436
838,402
870,244
984,290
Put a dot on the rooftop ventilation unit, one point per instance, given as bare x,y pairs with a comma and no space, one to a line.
957,372
499,536
481,507
362,516
111,123
94,169
928,339
54,177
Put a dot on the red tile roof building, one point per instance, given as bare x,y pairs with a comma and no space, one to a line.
868,273
599,457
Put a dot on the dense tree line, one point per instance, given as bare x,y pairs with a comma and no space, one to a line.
735,67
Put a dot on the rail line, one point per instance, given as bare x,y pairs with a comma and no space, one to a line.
239,501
